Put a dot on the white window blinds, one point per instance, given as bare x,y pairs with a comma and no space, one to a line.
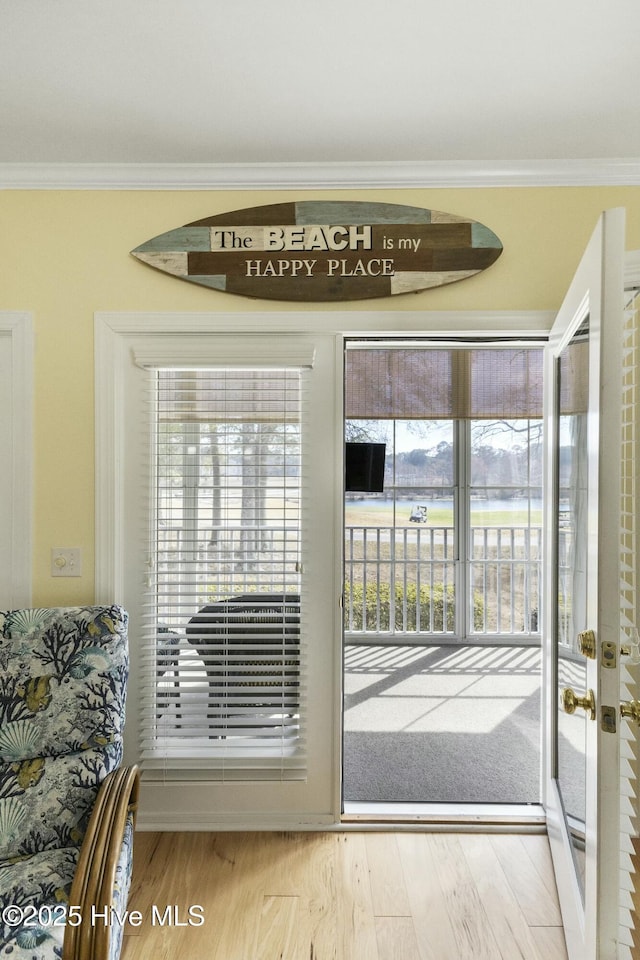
224,688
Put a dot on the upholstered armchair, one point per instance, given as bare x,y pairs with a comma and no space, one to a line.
67,806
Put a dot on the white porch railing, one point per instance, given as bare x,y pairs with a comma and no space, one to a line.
406,580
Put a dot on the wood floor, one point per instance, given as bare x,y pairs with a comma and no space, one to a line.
343,896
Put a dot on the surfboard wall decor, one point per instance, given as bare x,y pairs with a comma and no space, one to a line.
318,250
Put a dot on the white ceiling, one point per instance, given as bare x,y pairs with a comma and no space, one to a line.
488,83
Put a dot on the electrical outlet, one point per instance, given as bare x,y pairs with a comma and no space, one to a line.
66,562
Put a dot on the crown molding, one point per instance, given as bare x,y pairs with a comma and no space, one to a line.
318,176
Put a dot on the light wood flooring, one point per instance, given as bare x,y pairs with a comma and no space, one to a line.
344,896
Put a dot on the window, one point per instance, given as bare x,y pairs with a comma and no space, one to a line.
203,776
222,644
452,548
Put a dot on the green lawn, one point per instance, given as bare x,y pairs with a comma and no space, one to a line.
382,516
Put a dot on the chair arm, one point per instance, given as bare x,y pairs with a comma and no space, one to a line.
93,883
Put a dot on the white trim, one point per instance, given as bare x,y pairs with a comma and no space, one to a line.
18,326
119,457
392,323
239,350
109,439
180,820
319,176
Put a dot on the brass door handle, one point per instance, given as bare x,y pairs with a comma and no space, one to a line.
571,701
631,710
587,644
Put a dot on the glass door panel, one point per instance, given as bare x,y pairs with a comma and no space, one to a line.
571,564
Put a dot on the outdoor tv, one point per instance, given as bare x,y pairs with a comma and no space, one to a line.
364,467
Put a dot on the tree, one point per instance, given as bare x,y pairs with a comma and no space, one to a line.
366,431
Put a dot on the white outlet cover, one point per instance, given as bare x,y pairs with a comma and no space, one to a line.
66,562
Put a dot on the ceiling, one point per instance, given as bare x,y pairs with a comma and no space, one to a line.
232,82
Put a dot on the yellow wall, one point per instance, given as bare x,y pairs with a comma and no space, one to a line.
65,255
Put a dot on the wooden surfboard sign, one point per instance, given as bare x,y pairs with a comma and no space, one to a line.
317,250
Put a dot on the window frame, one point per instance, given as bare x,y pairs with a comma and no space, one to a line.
171,802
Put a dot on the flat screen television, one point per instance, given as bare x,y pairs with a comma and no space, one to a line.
364,467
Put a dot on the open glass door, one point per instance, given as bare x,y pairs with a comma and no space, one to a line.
582,523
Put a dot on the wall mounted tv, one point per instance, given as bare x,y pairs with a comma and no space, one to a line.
364,467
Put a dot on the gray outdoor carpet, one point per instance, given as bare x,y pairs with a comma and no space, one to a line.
442,724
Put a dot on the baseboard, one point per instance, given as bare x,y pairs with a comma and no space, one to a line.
216,823
462,817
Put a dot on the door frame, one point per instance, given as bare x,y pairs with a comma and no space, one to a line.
114,332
